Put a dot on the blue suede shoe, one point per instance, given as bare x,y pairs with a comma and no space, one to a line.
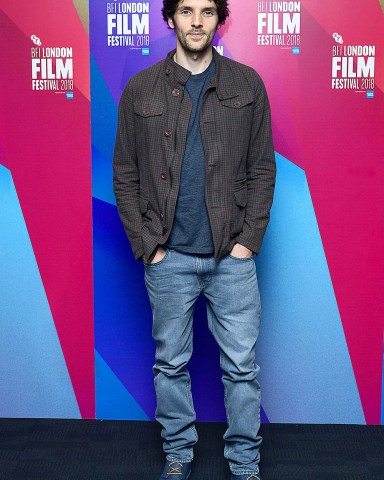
247,476
174,470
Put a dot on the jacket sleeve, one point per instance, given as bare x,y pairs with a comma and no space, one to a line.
126,183
261,173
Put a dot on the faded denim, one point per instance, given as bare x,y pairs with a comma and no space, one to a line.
233,305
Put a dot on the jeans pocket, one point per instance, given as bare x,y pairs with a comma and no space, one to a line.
152,265
240,259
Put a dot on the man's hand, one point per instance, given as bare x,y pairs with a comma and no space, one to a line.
240,251
160,254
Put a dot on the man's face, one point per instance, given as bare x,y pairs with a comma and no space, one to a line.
195,23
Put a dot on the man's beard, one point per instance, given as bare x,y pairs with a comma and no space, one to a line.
189,45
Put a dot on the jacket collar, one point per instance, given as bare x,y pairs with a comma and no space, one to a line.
175,73
222,80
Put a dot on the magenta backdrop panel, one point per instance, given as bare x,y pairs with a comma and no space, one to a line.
45,130
321,265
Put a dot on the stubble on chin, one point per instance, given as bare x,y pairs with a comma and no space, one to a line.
189,46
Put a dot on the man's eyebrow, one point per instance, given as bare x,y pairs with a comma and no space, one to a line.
188,7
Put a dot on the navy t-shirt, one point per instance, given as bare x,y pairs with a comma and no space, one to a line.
191,231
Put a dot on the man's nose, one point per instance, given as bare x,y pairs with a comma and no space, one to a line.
197,20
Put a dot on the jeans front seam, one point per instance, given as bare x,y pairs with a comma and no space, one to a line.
189,396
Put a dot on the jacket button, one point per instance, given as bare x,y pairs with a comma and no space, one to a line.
168,132
145,111
167,71
162,216
237,104
176,92
163,176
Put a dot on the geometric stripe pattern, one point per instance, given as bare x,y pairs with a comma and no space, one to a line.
45,144
302,347
73,306
313,349
312,368
28,337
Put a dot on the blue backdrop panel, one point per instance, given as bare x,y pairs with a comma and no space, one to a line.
34,381
295,280
122,312
123,338
113,399
102,179
317,381
103,136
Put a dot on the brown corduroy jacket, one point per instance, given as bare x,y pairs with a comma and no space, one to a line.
235,126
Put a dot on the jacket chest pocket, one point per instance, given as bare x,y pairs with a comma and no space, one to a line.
237,112
148,108
238,103
148,125
148,114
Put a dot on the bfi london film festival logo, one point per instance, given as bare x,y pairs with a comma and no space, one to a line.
219,49
52,68
353,67
279,24
128,25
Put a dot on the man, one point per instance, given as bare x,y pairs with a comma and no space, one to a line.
194,175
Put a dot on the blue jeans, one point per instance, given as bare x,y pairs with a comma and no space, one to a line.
233,305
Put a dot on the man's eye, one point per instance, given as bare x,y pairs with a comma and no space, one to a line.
209,13
185,12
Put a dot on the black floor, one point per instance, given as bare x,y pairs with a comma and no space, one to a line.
121,450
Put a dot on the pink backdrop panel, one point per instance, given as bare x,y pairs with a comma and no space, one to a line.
46,147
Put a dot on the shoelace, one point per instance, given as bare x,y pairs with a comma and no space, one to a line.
253,476
175,470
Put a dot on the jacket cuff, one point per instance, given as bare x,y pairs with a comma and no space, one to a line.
252,244
138,253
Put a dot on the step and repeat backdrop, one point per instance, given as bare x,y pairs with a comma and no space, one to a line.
75,321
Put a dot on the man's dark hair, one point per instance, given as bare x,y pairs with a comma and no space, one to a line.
169,9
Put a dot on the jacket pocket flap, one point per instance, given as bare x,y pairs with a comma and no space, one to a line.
243,99
149,108
241,197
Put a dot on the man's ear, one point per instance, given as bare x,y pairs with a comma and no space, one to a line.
170,23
